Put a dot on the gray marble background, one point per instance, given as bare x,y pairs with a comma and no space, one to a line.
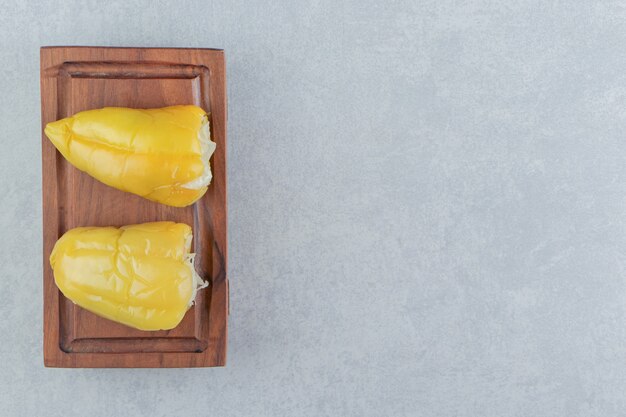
427,208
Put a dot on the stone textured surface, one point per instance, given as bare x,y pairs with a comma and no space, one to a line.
427,208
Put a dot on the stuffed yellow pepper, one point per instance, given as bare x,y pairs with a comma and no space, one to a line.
160,154
140,275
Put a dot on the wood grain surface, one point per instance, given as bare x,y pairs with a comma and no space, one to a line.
81,78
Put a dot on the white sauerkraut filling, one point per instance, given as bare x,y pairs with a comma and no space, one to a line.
207,147
198,282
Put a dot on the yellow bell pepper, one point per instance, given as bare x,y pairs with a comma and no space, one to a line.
160,154
140,275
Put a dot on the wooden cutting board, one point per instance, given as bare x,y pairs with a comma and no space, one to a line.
81,78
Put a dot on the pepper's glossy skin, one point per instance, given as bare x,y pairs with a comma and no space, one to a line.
159,154
140,275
